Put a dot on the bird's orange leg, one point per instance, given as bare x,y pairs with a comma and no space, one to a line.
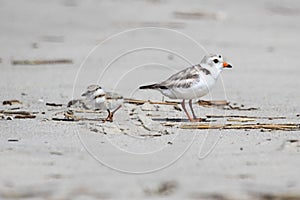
186,112
191,107
195,119
110,115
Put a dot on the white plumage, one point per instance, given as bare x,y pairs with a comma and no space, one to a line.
97,98
193,82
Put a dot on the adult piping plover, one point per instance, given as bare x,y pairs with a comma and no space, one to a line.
192,82
98,97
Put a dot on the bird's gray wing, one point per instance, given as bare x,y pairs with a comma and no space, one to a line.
90,90
182,79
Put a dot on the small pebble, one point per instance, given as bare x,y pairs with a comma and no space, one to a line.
9,118
176,107
292,140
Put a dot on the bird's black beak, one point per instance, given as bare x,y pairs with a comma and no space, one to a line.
226,65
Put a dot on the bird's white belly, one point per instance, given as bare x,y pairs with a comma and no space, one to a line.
112,104
196,91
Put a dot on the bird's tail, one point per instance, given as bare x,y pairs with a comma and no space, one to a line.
152,86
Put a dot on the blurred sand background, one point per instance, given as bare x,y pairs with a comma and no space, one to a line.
48,161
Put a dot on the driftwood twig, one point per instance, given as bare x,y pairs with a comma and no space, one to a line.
11,102
25,117
287,127
41,62
15,112
243,116
213,103
54,104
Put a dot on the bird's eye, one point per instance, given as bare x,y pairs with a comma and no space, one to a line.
216,61
220,56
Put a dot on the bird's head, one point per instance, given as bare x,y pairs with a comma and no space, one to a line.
215,61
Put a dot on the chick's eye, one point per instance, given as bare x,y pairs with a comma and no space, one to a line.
216,60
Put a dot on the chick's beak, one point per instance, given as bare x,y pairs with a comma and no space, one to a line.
226,65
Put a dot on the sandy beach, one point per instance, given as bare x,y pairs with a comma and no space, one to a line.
52,50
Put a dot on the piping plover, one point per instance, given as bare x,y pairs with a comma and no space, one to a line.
193,82
96,98
96,95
